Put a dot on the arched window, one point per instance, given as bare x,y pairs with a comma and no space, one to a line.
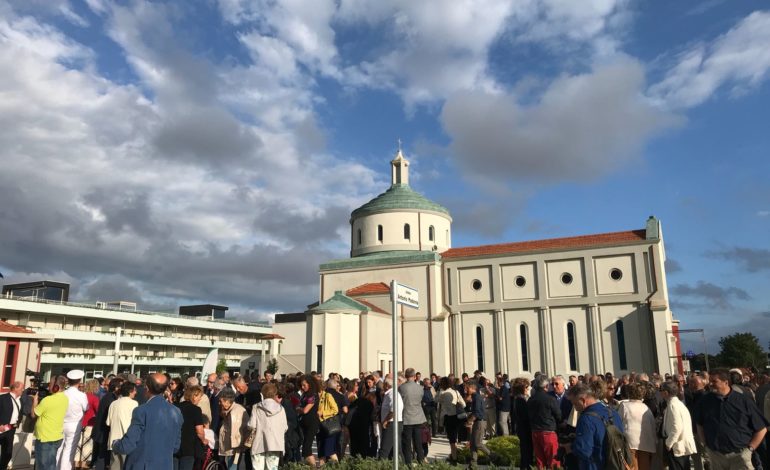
379,233
407,232
621,345
572,347
524,347
431,233
359,236
479,348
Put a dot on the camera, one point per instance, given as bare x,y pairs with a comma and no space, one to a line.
37,384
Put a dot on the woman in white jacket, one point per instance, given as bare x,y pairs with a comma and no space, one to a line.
268,422
677,429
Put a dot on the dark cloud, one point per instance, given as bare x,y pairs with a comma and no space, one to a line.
750,259
206,135
710,295
278,220
672,266
582,127
123,209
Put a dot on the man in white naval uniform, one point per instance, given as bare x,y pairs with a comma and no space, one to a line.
78,404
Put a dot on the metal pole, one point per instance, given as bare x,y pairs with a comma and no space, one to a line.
394,390
133,358
117,351
705,350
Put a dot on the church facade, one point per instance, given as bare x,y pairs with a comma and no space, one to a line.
593,303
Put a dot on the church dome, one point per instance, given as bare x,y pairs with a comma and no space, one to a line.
400,219
398,196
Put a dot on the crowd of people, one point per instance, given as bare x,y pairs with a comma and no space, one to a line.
715,421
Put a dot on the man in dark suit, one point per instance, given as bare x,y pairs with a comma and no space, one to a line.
10,416
155,431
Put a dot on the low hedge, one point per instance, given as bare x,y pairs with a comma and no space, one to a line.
506,449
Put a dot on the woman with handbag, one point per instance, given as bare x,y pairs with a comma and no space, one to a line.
331,424
450,402
308,416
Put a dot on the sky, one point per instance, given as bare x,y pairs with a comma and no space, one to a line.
211,151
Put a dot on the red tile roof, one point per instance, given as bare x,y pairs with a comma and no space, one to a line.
371,306
583,241
272,336
6,327
372,288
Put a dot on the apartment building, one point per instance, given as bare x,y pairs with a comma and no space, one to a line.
106,336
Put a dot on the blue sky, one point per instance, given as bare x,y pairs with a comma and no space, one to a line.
211,151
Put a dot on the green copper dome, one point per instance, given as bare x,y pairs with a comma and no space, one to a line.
399,196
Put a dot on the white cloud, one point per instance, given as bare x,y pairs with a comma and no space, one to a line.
165,183
582,127
738,60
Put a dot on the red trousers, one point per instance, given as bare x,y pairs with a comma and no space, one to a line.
545,444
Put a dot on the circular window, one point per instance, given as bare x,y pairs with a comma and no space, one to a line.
566,278
616,274
520,281
476,284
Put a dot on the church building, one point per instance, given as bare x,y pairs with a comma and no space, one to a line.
593,303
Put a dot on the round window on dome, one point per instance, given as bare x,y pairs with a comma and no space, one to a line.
520,281
476,284
616,274
566,279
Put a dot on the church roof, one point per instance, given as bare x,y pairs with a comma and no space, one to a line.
372,307
583,241
382,258
398,196
372,288
340,301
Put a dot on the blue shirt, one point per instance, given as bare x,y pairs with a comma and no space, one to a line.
589,436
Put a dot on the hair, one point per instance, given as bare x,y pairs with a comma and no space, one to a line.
227,394
519,386
541,382
580,390
239,380
721,374
389,382
192,381
331,383
156,383
670,387
598,389
269,390
634,391
114,385
409,373
91,386
126,388
443,383
219,384
192,392
178,382
311,382
59,384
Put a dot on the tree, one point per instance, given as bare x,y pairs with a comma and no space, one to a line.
272,366
742,350
698,362
221,366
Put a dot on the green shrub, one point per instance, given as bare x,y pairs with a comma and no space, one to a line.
506,449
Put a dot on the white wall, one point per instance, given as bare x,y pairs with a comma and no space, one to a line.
393,232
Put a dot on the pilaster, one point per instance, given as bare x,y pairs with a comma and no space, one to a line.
546,333
501,349
597,345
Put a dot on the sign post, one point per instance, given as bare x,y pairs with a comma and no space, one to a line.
400,294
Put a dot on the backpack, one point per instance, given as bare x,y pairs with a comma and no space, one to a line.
617,453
